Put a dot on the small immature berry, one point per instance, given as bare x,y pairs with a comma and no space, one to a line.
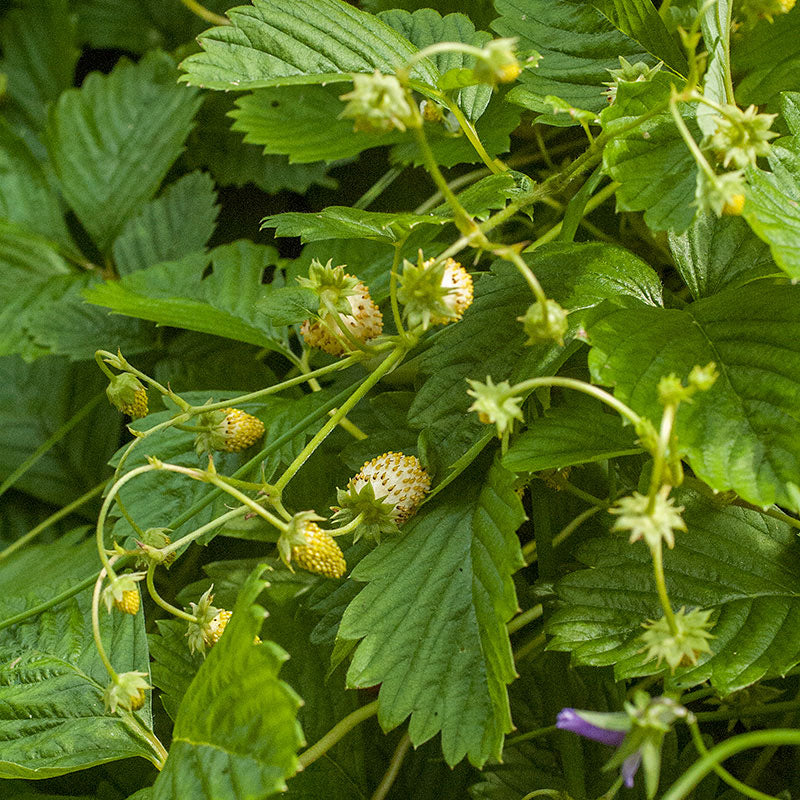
460,293
364,323
240,430
396,479
217,627
129,604
138,408
734,206
320,554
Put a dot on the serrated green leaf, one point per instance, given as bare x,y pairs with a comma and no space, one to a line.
289,305
236,733
35,401
576,433
343,222
113,140
764,78
578,276
212,144
435,639
737,562
174,665
741,434
26,196
718,252
37,40
655,167
773,202
178,294
578,44
51,676
716,27
26,258
481,12
175,224
303,122
426,27
285,42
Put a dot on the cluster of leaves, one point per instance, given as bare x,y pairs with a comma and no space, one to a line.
160,195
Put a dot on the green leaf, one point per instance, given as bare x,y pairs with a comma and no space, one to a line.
236,733
716,27
286,42
174,666
213,145
719,252
289,305
578,432
737,562
39,55
303,123
177,223
435,639
177,294
773,199
26,258
35,401
578,276
652,162
113,140
764,78
343,222
481,12
579,44
51,676
26,195
426,27
741,434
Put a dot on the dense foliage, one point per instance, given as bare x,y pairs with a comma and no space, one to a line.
399,402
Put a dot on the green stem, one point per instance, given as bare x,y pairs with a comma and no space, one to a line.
98,641
56,437
101,519
386,365
526,737
160,601
687,137
657,553
569,529
398,317
751,711
534,645
135,724
142,435
209,526
493,164
393,769
336,733
660,456
510,253
732,781
580,386
520,621
349,528
51,520
377,188
204,13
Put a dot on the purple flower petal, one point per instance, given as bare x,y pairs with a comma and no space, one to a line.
569,719
629,767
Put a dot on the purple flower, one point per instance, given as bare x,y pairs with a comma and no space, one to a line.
606,728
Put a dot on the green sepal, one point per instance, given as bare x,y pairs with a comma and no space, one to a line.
295,535
211,438
422,294
332,285
377,515
122,389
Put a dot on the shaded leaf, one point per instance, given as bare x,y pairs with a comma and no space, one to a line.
175,224
739,563
741,434
174,666
113,140
425,630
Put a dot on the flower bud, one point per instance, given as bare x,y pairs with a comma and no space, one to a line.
378,103
545,323
496,404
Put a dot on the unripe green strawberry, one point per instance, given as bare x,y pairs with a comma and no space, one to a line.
137,409
127,393
129,603
396,479
364,323
240,430
320,554
217,627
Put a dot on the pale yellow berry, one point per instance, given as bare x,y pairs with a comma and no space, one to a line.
460,294
129,603
240,430
320,554
397,479
138,407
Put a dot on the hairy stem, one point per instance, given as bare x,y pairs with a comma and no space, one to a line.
337,732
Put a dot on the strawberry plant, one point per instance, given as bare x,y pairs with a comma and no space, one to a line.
399,402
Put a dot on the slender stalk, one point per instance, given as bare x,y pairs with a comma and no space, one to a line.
732,781
204,13
511,253
349,528
730,747
51,440
570,528
377,188
493,164
386,365
160,601
687,137
526,737
533,646
51,520
659,457
580,386
398,317
394,768
531,615
209,526
657,553
135,724
752,711
98,640
337,733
